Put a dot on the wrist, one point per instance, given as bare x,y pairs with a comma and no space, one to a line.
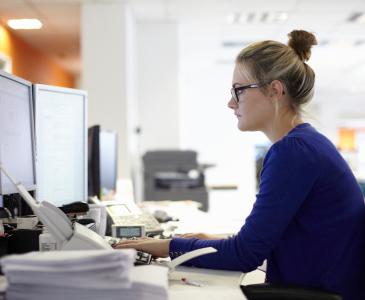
167,247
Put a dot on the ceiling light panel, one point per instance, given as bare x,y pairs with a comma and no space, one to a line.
357,17
267,17
26,24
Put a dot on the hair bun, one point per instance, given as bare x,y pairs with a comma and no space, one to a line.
301,42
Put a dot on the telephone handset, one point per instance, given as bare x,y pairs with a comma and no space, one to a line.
68,236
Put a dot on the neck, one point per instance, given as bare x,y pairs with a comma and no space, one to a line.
281,126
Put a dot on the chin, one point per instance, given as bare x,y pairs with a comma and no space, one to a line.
243,128
246,127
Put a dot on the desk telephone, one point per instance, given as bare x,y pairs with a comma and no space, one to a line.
130,214
73,236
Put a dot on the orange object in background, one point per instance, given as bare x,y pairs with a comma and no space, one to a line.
347,139
31,64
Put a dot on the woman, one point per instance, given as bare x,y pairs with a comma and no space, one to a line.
308,220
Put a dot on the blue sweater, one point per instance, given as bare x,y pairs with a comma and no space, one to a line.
308,220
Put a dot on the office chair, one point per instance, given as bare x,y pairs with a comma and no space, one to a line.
269,291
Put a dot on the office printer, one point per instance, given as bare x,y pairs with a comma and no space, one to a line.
174,175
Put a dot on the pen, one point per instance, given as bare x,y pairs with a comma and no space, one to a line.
193,283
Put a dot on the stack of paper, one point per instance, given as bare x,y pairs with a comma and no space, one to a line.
3,285
56,275
148,283
96,274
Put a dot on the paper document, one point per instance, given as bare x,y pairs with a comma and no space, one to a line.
83,275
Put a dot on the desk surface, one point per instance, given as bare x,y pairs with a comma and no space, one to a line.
215,284
191,219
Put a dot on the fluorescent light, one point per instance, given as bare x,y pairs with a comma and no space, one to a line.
359,42
267,17
361,19
357,17
281,16
250,17
274,17
234,18
25,24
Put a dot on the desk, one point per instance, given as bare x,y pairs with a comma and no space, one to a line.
191,219
215,284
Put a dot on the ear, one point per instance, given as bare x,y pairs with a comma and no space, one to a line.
277,89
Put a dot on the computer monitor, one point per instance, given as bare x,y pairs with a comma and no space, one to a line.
102,162
17,152
61,132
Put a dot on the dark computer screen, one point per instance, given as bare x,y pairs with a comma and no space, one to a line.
16,133
102,162
93,161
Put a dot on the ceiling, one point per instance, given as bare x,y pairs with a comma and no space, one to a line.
60,35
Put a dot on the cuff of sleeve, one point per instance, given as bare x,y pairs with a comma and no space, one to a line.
179,246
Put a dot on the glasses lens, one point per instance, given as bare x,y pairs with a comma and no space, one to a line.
234,95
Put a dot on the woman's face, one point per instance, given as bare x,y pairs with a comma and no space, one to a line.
254,109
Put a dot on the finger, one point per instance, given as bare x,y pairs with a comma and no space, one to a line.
128,242
190,235
133,240
131,243
184,234
126,246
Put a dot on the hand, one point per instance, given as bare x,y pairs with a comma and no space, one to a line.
156,247
200,236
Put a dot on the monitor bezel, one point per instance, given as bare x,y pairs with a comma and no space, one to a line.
50,88
12,189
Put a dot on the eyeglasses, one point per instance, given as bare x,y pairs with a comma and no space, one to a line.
237,91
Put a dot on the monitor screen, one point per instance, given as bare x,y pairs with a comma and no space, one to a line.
16,133
102,162
94,162
60,126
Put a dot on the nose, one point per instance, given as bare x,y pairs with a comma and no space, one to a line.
232,104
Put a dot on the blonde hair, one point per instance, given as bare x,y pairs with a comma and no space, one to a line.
266,61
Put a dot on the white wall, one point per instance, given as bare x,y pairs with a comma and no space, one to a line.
183,90
207,124
157,81
107,63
